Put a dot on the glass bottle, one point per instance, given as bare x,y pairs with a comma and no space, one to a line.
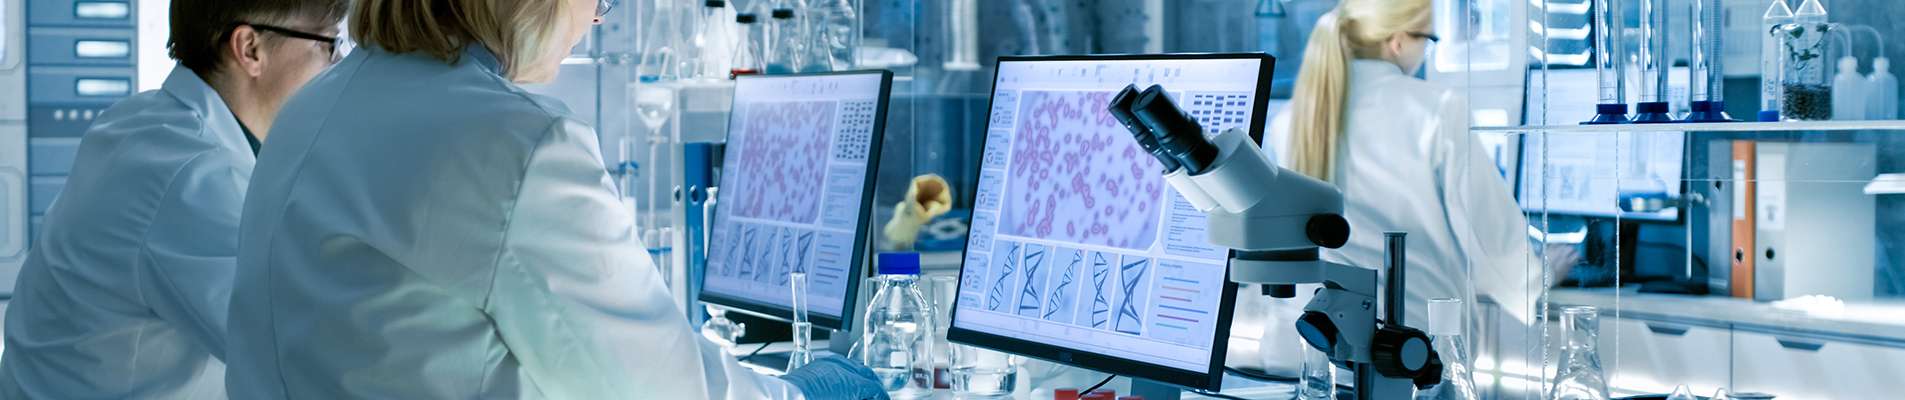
898,341
714,38
1805,81
1579,376
785,50
747,48
835,25
1707,81
1445,329
803,330
1607,64
1772,59
1654,62
1318,381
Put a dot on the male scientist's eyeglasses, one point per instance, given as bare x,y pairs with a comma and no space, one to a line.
337,47
602,7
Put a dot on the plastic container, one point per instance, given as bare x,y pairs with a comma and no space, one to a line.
1881,91
897,342
1608,65
1445,330
786,49
747,47
1579,375
1805,82
836,28
1848,91
1772,59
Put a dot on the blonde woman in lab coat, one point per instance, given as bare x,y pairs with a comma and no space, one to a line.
1401,150
424,228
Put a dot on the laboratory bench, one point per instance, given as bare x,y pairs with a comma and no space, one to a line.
1650,343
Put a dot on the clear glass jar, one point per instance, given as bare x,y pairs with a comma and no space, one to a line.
1579,376
898,341
1806,81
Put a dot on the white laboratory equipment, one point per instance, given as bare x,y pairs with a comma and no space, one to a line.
1848,91
898,341
1882,102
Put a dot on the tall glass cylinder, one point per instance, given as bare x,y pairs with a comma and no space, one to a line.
1579,376
1772,59
803,330
1654,59
1609,65
1707,79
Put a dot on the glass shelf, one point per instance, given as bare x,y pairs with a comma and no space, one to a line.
1784,126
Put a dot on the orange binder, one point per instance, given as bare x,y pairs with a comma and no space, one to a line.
1745,191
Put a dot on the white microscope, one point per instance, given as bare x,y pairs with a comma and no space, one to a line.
1276,221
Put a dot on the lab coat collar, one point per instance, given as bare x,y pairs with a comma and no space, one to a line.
1364,69
480,55
190,89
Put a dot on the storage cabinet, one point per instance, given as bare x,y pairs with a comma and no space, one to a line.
1801,367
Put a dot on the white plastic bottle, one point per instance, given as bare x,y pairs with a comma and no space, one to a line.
1881,100
1848,93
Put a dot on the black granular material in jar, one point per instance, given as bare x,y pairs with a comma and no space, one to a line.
1807,102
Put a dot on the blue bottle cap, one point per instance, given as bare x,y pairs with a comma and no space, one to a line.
1768,115
904,263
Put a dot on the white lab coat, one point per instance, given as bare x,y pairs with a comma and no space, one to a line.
1409,163
424,230
124,295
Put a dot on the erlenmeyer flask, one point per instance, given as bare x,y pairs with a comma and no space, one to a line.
1580,376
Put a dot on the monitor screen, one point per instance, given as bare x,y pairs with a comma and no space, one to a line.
1079,252
1630,175
796,192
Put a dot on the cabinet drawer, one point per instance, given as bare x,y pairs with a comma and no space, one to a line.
1652,357
81,46
1793,367
103,13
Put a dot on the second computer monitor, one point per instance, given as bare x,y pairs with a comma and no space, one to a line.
1079,251
796,192
1633,176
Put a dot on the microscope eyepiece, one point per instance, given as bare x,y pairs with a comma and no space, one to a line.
1120,109
1177,134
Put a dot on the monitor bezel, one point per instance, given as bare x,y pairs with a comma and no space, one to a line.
1212,378
862,229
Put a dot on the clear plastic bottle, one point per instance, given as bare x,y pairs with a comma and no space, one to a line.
1445,328
1579,376
1772,59
747,49
898,342
835,25
785,50
714,36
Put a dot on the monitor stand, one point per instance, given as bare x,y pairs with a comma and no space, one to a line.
1153,390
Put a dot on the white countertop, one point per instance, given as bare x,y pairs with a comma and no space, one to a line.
1867,320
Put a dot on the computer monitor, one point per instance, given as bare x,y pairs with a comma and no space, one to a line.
796,193
1079,252
1632,176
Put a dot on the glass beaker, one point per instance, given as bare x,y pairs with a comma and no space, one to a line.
1579,376
1318,381
981,373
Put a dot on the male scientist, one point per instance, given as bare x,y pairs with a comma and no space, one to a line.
125,294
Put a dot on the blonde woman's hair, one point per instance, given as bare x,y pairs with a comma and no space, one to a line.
1355,29
518,32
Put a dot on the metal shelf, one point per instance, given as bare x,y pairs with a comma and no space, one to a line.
1785,126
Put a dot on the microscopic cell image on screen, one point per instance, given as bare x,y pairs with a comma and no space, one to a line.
794,192
1076,175
787,152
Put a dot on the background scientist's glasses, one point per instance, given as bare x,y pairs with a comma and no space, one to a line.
338,47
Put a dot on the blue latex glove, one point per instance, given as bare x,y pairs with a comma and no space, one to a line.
833,377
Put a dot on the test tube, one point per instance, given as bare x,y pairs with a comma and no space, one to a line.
803,330
1653,63
1607,64
1706,81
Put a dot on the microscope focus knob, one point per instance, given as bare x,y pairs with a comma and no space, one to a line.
1401,352
1327,230
1432,375
1317,330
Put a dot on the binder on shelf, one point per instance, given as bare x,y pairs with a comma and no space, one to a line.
1740,281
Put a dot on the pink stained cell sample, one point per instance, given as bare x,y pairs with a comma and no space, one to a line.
1076,176
782,162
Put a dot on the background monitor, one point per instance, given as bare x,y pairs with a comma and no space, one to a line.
796,193
1079,252
1630,175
